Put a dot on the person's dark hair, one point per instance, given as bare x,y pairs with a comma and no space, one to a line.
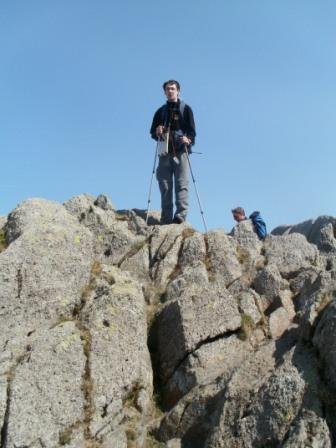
171,81
239,210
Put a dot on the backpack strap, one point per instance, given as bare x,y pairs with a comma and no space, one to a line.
182,107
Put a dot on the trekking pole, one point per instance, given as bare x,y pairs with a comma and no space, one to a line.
198,198
150,185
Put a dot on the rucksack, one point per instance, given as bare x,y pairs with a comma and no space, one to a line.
259,224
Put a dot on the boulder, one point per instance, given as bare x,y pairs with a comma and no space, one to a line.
325,341
276,406
279,321
260,412
114,324
104,202
189,279
320,231
45,390
237,395
154,216
245,236
212,360
303,227
190,420
312,300
193,252
180,331
165,244
42,271
113,237
291,254
304,280
136,262
309,430
249,305
221,258
191,271
269,282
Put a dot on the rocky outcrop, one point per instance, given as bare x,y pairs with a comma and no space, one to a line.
74,361
120,334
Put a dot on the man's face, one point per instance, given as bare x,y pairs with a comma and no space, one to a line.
171,92
237,216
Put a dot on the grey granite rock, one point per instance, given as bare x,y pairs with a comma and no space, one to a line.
269,282
137,262
193,251
212,360
310,430
279,322
249,305
291,254
165,244
114,320
245,382
246,237
174,443
45,390
222,262
104,202
325,341
189,279
320,231
179,335
276,406
190,419
113,238
3,220
153,216
191,271
79,284
312,300
42,272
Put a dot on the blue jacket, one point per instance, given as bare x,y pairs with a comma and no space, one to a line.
259,225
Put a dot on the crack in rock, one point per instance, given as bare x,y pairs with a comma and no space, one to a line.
87,382
207,260
19,281
133,251
206,341
10,379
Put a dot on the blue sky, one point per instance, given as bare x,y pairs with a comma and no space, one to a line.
80,81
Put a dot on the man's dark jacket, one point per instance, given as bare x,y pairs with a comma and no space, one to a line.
170,113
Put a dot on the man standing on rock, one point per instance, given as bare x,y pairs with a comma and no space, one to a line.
174,119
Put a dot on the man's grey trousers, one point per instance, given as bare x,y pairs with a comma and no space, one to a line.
168,170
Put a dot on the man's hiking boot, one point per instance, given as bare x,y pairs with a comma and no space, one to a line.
178,220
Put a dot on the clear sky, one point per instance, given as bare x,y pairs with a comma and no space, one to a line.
80,81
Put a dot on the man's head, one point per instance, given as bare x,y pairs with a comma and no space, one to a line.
171,89
238,214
